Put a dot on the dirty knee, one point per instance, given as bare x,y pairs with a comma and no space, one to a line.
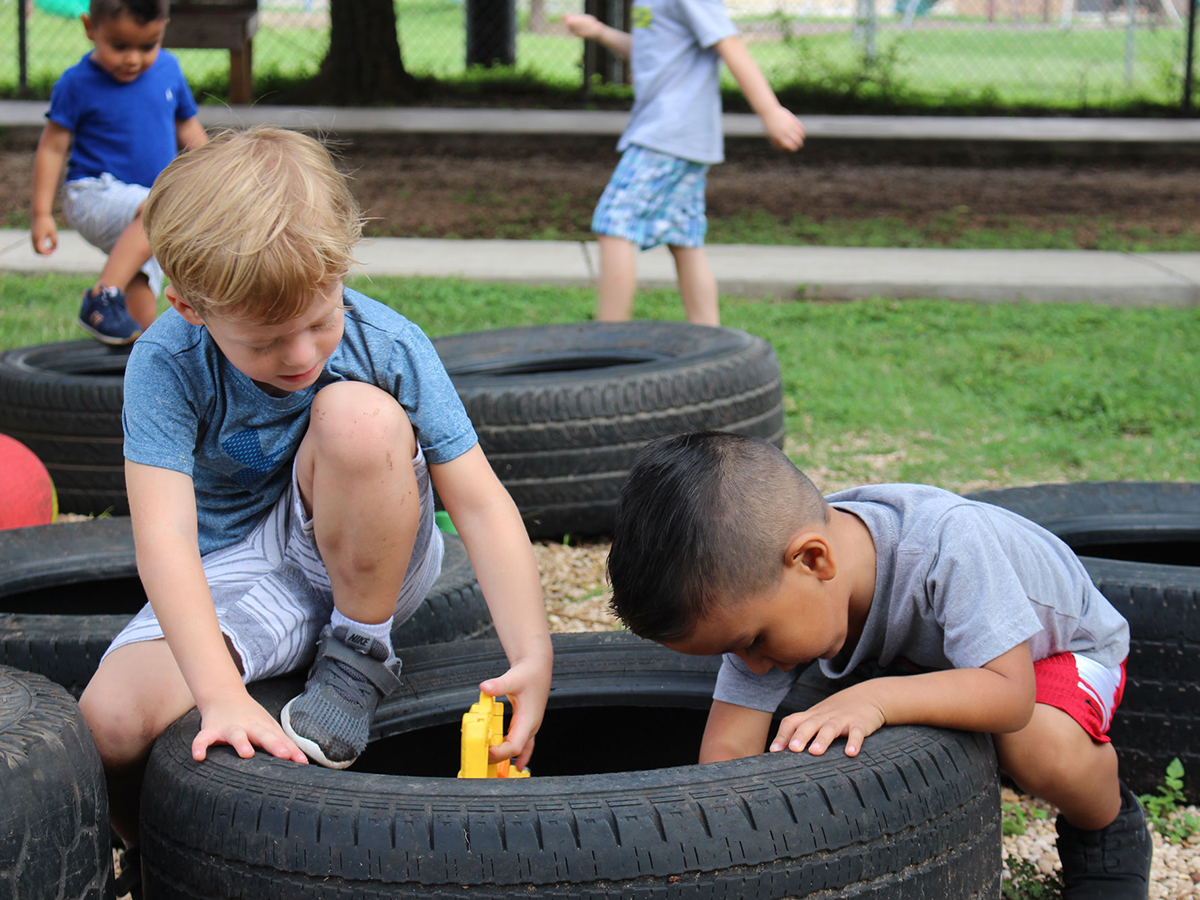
358,427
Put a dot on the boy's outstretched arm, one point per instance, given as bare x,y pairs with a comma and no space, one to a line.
162,506
783,129
492,531
48,162
190,134
733,732
591,28
998,697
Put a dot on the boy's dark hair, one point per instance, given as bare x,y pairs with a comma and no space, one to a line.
141,11
703,518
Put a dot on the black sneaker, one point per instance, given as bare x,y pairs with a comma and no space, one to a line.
104,316
1112,863
331,720
129,882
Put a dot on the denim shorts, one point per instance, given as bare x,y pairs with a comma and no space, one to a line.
100,209
272,592
654,198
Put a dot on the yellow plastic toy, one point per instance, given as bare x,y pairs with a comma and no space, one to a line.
483,727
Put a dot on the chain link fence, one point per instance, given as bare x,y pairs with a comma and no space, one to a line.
1064,55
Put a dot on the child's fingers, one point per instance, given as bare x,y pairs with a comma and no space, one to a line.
282,748
495,687
820,742
854,741
520,732
200,745
790,729
235,738
519,740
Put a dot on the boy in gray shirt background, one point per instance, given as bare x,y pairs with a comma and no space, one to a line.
977,619
656,194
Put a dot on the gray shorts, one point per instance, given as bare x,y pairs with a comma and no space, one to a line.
272,592
100,209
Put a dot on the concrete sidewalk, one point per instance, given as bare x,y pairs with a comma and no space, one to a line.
832,273
1175,133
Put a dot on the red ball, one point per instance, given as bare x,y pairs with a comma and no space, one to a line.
26,492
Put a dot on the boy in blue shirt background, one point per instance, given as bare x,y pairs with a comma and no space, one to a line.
656,194
121,112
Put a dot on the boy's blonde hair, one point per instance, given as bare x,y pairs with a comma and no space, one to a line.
249,224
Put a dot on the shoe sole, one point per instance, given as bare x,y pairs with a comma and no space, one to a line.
311,749
107,338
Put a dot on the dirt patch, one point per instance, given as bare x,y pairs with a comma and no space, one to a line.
426,192
481,187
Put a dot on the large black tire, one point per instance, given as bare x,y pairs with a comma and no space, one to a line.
614,808
63,401
54,836
66,590
561,410
1137,521
1159,716
1145,544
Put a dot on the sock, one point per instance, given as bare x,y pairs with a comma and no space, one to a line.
381,632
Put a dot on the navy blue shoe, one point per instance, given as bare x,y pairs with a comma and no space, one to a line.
104,316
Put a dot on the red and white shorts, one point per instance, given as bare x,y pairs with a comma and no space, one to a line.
1082,688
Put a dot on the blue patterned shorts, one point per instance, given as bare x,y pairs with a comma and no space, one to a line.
654,198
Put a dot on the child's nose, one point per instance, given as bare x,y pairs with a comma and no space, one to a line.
297,351
755,662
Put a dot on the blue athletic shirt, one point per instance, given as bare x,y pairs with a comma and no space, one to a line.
676,78
188,409
127,130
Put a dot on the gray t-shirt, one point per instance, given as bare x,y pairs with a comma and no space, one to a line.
188,409
957,584
676,78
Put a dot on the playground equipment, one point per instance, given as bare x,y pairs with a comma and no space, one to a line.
68,9
483,727
26,492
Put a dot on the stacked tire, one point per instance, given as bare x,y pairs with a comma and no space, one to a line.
1140,542
67,590
54,833
616,806
63,402
560,410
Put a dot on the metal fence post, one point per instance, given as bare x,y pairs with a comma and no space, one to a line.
611,68
22,52
491,32
1187,64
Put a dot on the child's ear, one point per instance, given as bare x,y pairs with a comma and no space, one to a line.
182,307
88,28
810,553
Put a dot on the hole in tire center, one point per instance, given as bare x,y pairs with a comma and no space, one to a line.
571,741
96,361
81,598
567,362
1158,552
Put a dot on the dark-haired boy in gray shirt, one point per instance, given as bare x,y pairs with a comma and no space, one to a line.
974,617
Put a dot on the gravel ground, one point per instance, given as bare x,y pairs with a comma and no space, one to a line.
573,579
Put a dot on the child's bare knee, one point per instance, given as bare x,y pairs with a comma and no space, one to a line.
122,727
1051,762
357,425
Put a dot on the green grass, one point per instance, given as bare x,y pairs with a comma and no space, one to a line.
954,394
958,66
